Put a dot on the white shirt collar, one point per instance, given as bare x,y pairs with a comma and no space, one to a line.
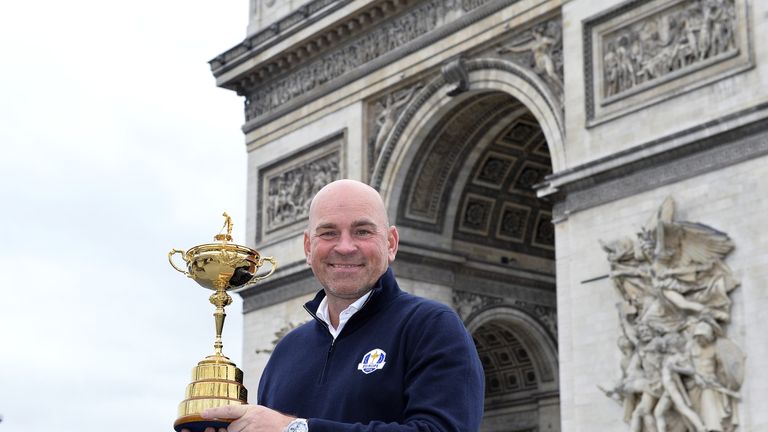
344,316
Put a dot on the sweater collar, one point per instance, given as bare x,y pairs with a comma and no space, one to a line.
383,290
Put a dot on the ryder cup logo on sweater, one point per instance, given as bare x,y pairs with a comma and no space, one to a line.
373,360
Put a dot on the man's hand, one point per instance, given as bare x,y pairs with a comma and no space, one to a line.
248,418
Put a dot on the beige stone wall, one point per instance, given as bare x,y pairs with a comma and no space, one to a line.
728,200
724,97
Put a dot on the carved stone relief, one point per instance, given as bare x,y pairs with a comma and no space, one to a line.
289,185
513,222
468,5
665,42
541,49
476,214
494,169
468,304
663,45
383,38
383,113
678,366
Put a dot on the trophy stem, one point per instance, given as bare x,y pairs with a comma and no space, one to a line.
219,316
219,299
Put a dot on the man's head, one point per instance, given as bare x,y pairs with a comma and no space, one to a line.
349,243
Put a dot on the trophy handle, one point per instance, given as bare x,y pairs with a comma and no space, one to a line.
272,261
170,260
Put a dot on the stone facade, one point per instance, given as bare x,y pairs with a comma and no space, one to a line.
509,138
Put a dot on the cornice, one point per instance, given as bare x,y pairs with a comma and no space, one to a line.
340,52
258,42
310,48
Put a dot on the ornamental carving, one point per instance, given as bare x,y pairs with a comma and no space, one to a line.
541,49
291,192
381,39
674,39
468,5
647,51
467,304
679,369
384,112
288,185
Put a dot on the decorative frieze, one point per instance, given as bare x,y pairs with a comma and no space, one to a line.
468,304
677,363
264,95
647,51
288,185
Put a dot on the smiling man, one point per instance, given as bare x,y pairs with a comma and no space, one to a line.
374,358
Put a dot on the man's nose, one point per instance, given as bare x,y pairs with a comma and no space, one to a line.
346,243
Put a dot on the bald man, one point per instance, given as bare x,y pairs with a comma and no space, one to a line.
374,358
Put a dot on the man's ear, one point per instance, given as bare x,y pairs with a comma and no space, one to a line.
393,240
307,247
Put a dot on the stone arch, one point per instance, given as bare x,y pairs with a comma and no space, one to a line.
428,172
432,102
537,341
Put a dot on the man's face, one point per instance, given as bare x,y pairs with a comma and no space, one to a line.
348,243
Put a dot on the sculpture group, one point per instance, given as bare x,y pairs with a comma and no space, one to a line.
667,42
679,370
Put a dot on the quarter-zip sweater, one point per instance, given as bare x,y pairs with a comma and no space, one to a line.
429,379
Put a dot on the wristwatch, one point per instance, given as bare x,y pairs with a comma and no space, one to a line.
298,425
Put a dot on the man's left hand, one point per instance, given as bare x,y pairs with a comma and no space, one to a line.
249,418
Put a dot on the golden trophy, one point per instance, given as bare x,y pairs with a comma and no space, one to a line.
216,381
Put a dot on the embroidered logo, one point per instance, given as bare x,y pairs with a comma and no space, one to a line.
373,360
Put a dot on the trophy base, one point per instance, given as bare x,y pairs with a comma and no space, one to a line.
195,423
216,382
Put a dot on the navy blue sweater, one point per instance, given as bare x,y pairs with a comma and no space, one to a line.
422,374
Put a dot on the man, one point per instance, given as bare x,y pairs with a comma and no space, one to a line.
374,358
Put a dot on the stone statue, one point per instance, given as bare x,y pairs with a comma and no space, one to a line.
389,108
679,372
719,371
541,46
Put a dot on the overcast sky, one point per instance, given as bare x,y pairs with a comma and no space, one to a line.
116,147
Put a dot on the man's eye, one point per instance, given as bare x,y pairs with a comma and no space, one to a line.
327,234
363,232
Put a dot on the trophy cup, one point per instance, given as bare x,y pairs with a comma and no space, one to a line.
216,381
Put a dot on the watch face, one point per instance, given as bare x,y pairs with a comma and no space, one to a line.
298,425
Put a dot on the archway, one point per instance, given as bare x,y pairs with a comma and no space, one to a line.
458,173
